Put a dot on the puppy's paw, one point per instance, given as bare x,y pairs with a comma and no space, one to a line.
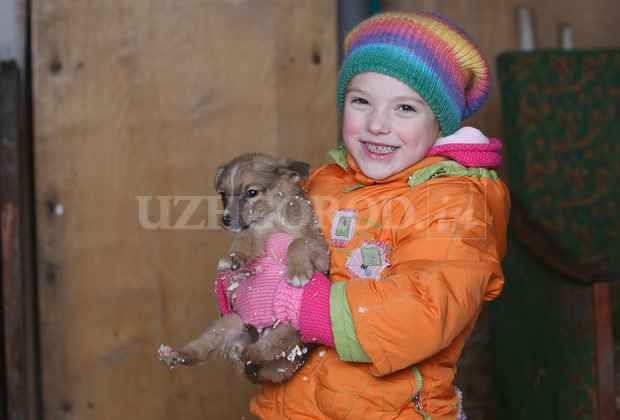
236,350
300,267
251,354
170,357
231,262
299,276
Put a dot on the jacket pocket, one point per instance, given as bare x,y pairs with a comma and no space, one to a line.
349,391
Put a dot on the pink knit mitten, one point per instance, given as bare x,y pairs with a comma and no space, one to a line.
315,324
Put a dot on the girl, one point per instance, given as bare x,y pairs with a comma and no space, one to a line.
416,220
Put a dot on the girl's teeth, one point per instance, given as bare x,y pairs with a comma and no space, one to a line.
379,149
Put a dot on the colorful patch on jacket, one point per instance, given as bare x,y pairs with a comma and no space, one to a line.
368,260
343,227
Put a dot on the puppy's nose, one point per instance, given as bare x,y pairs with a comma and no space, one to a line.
226,220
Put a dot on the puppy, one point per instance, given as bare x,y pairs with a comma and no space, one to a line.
261,196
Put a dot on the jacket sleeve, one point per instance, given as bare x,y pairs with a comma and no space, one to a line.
448,244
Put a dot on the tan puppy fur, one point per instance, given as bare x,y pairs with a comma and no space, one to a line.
261,195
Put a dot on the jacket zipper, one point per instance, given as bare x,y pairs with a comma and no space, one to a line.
418,391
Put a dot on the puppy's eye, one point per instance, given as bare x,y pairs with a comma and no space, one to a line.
251,193
223,196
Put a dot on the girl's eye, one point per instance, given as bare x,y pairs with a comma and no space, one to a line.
359,101
406,108
251,193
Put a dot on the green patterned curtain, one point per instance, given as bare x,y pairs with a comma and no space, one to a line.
561,113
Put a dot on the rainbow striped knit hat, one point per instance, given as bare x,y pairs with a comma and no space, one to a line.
437,58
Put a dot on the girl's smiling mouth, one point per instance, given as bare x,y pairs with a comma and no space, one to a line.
380,150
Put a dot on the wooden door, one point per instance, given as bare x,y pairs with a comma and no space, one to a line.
138,102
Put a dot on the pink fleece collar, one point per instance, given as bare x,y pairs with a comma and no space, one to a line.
469,147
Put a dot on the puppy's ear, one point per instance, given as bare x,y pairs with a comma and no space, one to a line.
302,169
218,176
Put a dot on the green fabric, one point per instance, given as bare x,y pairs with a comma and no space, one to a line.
348,347
562,137
542,343
449,168
339,154
561,112
353,188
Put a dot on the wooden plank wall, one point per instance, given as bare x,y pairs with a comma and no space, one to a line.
145,98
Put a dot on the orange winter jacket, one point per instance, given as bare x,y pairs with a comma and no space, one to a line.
414,257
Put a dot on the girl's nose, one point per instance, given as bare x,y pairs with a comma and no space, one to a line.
377,122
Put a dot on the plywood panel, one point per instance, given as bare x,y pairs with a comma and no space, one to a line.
145,99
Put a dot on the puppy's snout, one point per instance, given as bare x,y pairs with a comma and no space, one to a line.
235,215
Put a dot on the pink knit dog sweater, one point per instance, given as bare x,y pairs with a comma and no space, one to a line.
261,294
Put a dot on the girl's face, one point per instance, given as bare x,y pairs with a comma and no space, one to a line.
387,127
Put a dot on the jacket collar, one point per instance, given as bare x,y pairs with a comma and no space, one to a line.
346,162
